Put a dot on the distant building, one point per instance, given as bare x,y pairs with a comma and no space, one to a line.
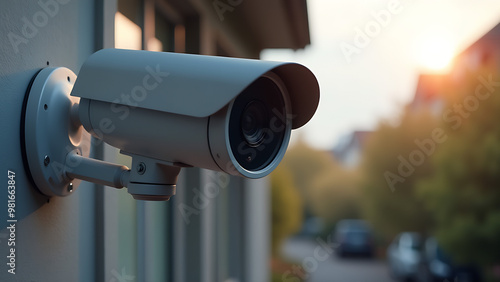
431,88
349,150
429,93
484,52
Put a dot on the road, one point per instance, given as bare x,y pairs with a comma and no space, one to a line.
323,265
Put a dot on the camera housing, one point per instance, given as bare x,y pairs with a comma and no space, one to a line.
170,110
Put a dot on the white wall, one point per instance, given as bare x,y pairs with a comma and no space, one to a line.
54,240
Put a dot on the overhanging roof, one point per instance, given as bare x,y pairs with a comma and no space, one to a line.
274,23
256,24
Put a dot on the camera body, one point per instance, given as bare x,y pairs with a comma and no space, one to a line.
225,114
166,111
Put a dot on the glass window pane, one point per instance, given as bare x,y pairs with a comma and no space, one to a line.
164,32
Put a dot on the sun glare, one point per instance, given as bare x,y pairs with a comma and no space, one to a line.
435,54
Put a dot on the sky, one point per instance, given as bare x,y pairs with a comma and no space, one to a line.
367,55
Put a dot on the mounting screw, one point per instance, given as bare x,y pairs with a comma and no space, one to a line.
70,187
46,160
141,168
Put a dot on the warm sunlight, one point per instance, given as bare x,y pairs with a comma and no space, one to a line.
435,54
127,34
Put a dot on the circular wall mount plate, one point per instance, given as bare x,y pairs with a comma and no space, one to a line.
50,133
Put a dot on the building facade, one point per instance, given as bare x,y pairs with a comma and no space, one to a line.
217,227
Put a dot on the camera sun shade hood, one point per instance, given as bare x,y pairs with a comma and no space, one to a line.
209,82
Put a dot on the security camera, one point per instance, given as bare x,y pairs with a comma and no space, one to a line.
166,111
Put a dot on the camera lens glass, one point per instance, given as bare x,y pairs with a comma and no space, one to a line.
254,121
257,124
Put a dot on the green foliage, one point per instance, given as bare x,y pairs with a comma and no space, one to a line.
286,207
337,195
306,165
392,206
463,191
329,191
454,193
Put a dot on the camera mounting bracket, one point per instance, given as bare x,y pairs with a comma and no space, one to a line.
152,179
56,146
49,132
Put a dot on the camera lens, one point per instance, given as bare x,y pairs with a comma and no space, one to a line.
253,122
257,128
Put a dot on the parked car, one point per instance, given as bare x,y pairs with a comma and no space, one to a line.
404,256
354,237
438,266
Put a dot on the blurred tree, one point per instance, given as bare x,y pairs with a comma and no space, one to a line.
329,191
307,164
286,207
337,195
463,191
395,157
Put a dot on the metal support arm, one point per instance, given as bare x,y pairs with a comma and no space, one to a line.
96,171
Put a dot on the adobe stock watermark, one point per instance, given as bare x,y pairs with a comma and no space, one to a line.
121,276
455,116
323,251
31,26
364,35
138,93
223,6
120,106
277,125
220,180
202,198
